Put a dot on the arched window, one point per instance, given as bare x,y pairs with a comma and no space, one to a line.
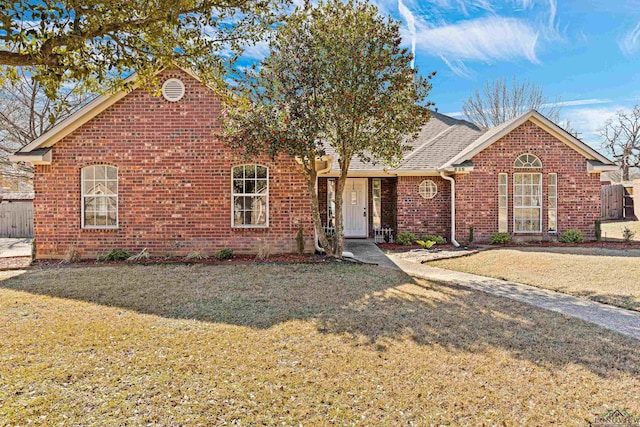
100,196
250,196
428,189
528,161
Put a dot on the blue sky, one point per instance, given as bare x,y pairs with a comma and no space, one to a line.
584,53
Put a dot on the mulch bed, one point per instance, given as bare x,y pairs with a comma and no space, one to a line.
237,259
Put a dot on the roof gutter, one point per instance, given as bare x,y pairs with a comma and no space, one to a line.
453,207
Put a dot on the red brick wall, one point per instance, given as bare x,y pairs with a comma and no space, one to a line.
174,182
423,216
477,192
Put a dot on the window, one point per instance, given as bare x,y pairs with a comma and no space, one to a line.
99,196
331,202
527,202
528,161
250,193
503,203
428,189
377,203
552,209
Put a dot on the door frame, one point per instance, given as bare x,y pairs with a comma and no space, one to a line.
366,207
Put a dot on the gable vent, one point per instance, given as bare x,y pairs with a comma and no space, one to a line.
173,90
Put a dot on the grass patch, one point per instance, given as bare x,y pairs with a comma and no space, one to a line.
604,275
284,344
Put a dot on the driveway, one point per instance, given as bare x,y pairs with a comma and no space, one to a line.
15,247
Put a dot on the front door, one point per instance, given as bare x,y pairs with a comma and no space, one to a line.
354,207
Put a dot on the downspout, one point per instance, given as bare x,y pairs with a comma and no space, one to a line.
329,161
453,208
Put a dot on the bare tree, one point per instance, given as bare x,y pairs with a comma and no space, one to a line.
26,113
501,101
621,138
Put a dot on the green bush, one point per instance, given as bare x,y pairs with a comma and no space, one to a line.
438,240
116,255
598,230
500,238
405,238
224,254
426,243
572,236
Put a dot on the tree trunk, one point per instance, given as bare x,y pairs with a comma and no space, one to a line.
625,170
315,210
340,183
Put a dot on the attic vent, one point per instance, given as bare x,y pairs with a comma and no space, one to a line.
173,90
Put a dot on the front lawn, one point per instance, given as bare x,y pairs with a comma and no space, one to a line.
294,344
611,276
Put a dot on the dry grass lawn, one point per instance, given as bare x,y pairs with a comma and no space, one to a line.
612,230
294,344
611,276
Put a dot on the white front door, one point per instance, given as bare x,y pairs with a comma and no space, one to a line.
354,207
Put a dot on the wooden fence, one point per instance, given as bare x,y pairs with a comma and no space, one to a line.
16,219
612,201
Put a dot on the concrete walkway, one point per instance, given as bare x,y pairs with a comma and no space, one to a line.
365,250
623,321
15,247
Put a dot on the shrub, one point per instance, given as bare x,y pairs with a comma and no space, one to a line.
143,254
572,236
438,240
499,238
115,255
628,234
72,255
264,250
598,230
300,241
470,234
405,238
197,255
224,254
426,243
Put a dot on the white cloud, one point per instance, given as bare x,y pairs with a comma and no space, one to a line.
484,39
458,67
257,51
630,42
411,24
577,102
587,121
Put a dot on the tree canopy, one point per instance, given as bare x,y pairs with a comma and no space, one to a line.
621,139
500,101
336,79
97,41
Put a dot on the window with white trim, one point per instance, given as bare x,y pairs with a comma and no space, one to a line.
428,189
99,196
503,203
527,161
250,196
552,208
527,202
331,202
376,192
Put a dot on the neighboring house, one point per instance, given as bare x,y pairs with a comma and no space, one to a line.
136,171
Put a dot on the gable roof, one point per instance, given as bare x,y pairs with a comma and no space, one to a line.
442,143
495,133
85,114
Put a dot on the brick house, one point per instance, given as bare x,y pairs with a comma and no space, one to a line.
135,171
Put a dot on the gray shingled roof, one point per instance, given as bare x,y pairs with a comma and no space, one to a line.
439,140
